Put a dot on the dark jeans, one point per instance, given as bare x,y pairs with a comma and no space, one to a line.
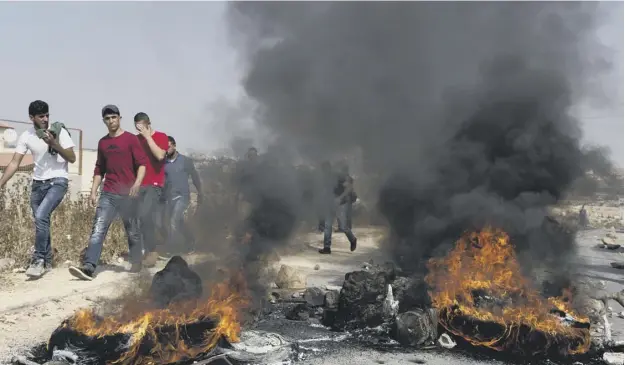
149,200
343,214
45,196
109,206
178,229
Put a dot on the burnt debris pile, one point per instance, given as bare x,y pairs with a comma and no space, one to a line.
88,338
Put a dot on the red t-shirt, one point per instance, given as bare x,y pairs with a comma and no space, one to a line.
118,160
155,169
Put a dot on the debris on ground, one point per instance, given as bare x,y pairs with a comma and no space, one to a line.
290,278
613,358
446,341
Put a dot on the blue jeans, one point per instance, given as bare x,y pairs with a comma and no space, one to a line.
177,227
45,196
109,207
149,198
343,214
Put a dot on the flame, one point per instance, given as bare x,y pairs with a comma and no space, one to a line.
486,262
224,304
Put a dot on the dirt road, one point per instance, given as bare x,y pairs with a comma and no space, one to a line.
31,310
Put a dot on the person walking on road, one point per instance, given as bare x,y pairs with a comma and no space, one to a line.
178,169
344,197
155,145
122,163
52,148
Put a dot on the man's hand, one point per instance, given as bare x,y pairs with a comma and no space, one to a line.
93,199
134,190
49,139
144,130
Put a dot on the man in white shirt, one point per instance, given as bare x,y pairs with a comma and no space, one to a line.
51,153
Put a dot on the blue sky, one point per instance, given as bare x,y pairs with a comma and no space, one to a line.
172,60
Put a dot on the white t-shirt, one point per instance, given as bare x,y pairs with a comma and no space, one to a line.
47,166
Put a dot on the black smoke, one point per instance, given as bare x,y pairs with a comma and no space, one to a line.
464,108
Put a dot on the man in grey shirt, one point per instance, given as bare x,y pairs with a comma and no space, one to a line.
178,169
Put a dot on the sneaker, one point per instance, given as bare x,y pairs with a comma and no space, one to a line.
82,273
136,268
352,244
325,251
150,259
36,269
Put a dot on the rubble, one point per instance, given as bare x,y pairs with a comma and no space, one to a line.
416,328
331,299
613,358
446,341
314,297
290,278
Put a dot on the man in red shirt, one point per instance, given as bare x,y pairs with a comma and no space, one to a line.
122,163
155,145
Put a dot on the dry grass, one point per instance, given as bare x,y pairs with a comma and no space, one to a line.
70,228
72,221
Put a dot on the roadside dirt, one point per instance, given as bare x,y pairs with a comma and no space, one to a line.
31,310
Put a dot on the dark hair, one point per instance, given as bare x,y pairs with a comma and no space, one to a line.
38,107
172,140
142,117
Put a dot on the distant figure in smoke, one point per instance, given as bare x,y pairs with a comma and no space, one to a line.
178,170
323,192
344,197
583,217
245,181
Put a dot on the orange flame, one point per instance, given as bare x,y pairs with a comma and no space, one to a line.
224,304
485,262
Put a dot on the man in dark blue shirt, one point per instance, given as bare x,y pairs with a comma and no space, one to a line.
178,169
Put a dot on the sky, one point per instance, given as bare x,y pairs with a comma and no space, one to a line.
174,61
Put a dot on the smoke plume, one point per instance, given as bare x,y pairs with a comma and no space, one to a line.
463,108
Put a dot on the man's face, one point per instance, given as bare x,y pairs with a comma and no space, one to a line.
141,124
112,122
171,149
40,120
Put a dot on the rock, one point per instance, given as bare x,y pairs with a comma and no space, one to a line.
19,270
607,241
316,267
300,312
446,341
314,297
6,263
613,358
611,234
416,328
331,299
289,278
333,287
